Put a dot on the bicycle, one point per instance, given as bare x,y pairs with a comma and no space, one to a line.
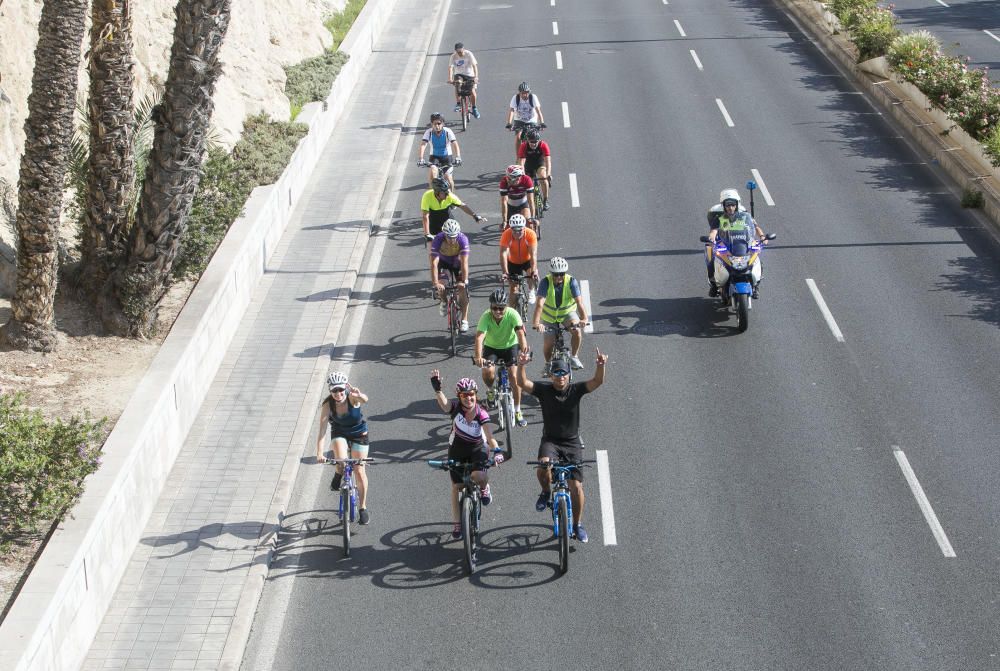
469,502
443,166
503,399
453,311
464,85
521,295
347,509
560,350
561,504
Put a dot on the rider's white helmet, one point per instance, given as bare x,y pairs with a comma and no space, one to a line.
336,379
558,264
451,228
517,221
729,194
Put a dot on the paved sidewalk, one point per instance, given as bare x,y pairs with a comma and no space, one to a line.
178,601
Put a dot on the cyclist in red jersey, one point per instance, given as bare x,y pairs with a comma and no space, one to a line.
536,159
516,191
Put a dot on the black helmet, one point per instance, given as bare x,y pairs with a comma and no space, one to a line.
532,135
524,88
498,297
436,116
459,45
441,184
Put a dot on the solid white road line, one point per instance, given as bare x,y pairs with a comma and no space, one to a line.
827,315
992,35
565,111
558,60
585,297
607,505
725,114
943,4
679,29
696,61
925,505
763,187
574,196
555,28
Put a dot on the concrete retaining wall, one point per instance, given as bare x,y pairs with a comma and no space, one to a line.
60,608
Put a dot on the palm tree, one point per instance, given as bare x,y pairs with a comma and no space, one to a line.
48,130
111,156
128,305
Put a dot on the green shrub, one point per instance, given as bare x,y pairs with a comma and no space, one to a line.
991,146
909,49
42,466
311,79
972,198
341,22
258,158
845,9
873,30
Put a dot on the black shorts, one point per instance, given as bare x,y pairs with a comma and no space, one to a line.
436,219
462,451
562,450
515,270
456,271
507,356
531,167
442,162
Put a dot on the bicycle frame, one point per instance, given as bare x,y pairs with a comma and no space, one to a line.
453,311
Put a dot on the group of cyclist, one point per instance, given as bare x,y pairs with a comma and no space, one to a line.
500,331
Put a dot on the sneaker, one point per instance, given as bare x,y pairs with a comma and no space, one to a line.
756,293
464,326
546,369
519,419
545,205
575,362
487,496
456,530
532,297
475,111
363,516
335,483
442,308
543,502
491,398
580,533
458,107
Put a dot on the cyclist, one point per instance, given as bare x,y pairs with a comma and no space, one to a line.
519,256
560,301
450,251
536,159
560,402
445,151
499,339
341,410
469,437
731,219
528,109
463,72
516,194
435,207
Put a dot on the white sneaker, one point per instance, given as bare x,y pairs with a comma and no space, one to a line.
575,362
464,328
441,308
531,297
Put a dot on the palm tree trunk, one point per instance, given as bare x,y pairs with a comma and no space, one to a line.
111,164
130,302
48,131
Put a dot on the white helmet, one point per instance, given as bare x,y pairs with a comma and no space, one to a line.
517,221
336,379
558,264
729,194
451,228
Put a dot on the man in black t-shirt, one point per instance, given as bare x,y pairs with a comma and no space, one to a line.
560,402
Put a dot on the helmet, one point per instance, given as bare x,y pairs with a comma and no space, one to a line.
558,264
729,194
466,384
441,184
514,171
498,297
517,221
524,88
336,379
451,228
459,45
436,116
532,135
560,366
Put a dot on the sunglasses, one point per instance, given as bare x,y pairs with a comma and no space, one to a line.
467,394
558,274
560,373
338,390
498,308
729,203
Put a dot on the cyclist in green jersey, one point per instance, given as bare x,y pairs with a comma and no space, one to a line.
499,338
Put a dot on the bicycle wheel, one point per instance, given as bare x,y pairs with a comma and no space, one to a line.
563,522
465,113
468,534
453,319
345,505
539,212
507,410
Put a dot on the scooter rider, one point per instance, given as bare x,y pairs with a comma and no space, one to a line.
732,220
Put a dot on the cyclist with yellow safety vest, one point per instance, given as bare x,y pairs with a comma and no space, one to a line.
560,301
730,219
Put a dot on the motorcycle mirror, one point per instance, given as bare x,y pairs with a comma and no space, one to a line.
771,236
751,185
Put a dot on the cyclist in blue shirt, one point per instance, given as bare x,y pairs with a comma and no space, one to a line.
445,151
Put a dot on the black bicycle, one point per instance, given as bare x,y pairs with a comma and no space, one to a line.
561,503
560,350
464,86
469,502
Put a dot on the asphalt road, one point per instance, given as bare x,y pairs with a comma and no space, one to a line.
762,516
966,27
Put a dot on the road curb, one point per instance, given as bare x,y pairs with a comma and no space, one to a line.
964,169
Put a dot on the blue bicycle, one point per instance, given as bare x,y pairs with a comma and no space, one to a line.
561,504
347,510
469,503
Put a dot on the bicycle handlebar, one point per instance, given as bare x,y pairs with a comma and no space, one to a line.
366,460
